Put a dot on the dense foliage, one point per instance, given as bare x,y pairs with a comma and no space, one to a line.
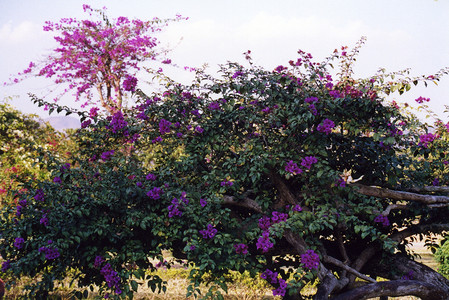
21,138
296,174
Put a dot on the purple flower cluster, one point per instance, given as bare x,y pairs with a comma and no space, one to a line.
151,177
241,248
130,83
164,126
422,99
272,277
99,260
382,219
40,196
198,129
335,94
310,260
278,217
264,223
237,74
226,183
313,109
208,233
264,242
44,220
118,122
293,168
155,193
297,207
425,139
93,112
50,252
436,182
18,243
326,126
214,105
111,277
105,156
22,204
311,100
6,265
57,179
86,123
203,202
175,209
279,69
308,161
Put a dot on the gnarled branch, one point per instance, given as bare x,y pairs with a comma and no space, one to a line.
395,288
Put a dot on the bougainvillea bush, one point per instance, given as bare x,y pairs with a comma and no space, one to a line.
301,174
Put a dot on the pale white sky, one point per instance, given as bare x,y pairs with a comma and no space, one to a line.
401,34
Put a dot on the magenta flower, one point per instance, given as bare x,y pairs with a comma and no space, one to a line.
237,74
422,99
105,156
199,129
308,161
310,260
293,168
264,242
151,177
208,233
241,248
164,126
326,126
425,139
130,83
50,252
382,219
93,112
155,193
18,243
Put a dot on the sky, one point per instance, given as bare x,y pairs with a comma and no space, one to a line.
400,34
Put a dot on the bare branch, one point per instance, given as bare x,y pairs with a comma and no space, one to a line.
400,195
390,207
340,264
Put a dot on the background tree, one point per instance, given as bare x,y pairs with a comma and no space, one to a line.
21,137
100,54
287,173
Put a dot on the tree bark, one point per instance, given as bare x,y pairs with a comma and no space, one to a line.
395,288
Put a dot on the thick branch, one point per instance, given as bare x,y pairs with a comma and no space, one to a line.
286,196
329,282
400,195
414,229
396,288
245,202
396,266
430,189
